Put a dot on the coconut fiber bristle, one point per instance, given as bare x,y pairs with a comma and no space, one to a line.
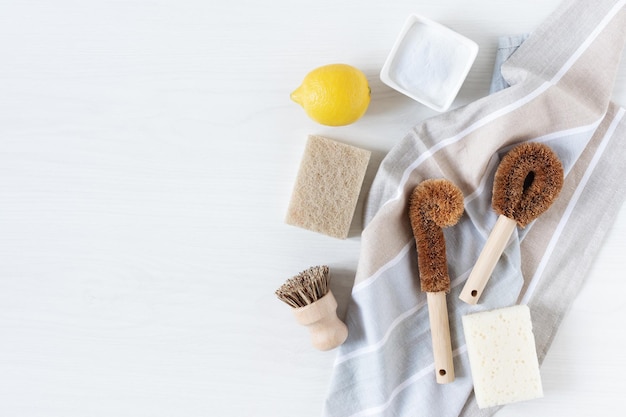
434,204
306,287
527,181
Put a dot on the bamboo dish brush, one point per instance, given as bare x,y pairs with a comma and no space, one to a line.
314,306
527,181
434,204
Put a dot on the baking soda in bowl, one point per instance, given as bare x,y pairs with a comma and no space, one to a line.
429,63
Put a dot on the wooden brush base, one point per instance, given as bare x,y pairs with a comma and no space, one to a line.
327,331
440,334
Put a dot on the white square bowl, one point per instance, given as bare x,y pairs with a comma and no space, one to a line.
429,62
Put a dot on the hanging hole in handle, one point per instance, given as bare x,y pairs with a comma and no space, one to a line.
474,293
442,372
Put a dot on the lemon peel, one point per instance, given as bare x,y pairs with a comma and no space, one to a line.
334,95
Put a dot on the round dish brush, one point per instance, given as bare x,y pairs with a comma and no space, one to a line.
526,183
314,306
434,204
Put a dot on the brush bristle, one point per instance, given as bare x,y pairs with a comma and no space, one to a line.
527,182
434,204
305,288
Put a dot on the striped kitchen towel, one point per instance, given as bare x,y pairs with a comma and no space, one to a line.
561,79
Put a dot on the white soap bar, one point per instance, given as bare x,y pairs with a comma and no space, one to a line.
502,356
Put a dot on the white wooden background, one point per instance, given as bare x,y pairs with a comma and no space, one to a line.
147,154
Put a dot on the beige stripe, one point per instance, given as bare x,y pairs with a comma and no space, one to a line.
465,162
388,233
579,98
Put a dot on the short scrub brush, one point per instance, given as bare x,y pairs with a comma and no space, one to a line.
314,306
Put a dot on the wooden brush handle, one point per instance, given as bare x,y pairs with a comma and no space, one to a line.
498,238
327,331
440,333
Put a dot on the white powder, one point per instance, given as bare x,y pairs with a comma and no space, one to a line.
430,63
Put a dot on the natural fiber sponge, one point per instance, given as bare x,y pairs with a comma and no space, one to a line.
327,187
502,356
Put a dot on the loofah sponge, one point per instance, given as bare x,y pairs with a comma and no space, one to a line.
327,187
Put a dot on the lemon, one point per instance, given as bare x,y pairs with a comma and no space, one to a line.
334,95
